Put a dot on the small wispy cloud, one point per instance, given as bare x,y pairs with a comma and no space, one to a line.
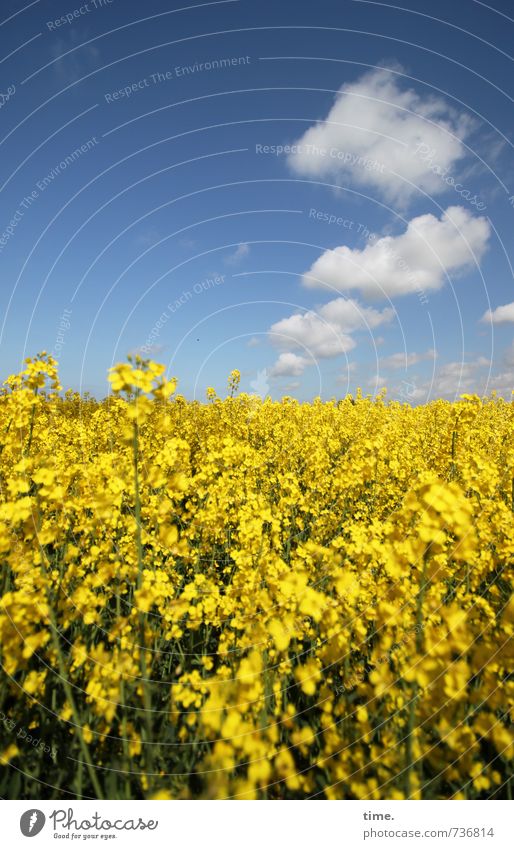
71,64
147,350
147,238
238,255
405,360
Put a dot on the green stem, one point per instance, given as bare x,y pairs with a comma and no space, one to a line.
31,426
453,465
408,741
6,431
454,443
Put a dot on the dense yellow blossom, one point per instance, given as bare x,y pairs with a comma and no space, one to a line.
253,599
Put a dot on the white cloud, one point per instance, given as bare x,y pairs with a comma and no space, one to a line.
377,381
406,360
375,128
349,369
500,315
289,365
503,384
327,332
415,261
147,350
508,356
240,253
453,379
457,377
503,381
349,315
450,380
309,331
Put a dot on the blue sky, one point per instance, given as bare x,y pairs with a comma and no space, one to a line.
320,195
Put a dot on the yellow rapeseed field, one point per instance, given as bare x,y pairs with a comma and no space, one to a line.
253,599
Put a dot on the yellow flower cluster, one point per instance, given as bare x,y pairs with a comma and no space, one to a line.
253,599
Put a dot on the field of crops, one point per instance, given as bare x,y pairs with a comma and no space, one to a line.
253,599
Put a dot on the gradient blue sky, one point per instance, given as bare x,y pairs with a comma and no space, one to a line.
174,231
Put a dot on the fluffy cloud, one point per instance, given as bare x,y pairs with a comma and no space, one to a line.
289,365
503,384
376,381
503,381
508,356
405,360
500,315
415,261
450,380
374,135
327,332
